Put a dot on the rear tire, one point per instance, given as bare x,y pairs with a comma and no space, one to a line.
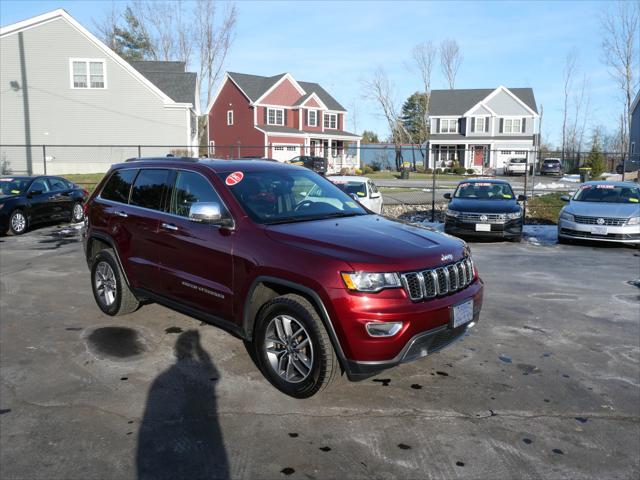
299,365
18,223
77,213
110,290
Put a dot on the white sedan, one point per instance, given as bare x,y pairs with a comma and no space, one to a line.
361,187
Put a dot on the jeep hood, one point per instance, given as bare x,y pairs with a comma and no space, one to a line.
371,242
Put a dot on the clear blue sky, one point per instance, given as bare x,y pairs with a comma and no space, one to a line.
337,44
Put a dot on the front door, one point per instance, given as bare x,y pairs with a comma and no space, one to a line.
478,156
40,200
195,261
313,148
62,203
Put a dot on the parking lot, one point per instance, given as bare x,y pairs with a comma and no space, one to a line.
546,385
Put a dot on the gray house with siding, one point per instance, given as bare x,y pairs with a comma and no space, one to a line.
63,87
482,128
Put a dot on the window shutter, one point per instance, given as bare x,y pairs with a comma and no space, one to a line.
501,125
265,115
338,120
473,124
437,125
486,123
459,125
306,117
285,117
524,120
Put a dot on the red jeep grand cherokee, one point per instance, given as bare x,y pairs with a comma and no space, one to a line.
282,258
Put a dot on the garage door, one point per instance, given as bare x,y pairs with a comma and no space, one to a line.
284,151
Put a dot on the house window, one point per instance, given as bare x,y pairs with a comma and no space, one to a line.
275,116
212,147
520,152
505,152
313,118
449,125
512,125
230,117
330,120
479,124
88,73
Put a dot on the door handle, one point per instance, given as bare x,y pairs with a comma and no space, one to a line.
169,226
53,197
122,214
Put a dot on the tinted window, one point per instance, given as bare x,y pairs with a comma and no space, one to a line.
191,188
608,193
118,186
40,184
13,186
149,187
484,191
57,184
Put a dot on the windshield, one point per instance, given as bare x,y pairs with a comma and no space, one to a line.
607,193
351,188
518,160
551,162
284,196
484,191
13,186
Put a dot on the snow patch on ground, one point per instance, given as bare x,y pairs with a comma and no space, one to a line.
540,234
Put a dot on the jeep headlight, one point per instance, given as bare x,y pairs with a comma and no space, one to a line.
566,216
514,215
452,213
370,282
633,221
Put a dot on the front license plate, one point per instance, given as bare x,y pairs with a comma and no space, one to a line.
598,230
463,313
483,227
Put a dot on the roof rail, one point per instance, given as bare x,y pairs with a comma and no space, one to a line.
170,158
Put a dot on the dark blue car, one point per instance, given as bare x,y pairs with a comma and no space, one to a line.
484,208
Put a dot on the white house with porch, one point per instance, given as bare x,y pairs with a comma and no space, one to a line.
481,129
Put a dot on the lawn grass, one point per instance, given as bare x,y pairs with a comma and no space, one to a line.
398,189
80,178
414,176
545,208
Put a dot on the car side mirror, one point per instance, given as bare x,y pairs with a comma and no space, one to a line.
375,194
34,193
355,197
206,212
447,196
565,198
522,198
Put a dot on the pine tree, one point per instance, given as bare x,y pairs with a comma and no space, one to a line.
595,160
131,41
413,112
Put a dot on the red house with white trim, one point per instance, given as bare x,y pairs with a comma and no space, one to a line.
278,117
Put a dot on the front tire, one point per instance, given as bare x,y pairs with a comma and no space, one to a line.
293,348
111,292
18,222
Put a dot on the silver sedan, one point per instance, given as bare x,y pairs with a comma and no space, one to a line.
604,211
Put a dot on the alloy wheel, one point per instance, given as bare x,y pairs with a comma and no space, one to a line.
78,212
105,284
18,222
289,348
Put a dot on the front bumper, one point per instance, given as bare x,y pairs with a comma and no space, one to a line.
509,229
427,327
581,231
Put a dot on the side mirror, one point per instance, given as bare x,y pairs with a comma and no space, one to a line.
522,198
205,212
565,198
447,196
375,195
355,197
34,193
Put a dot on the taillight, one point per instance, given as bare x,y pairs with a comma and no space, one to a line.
85,192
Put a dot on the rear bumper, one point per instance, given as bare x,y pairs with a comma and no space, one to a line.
580,231
509,229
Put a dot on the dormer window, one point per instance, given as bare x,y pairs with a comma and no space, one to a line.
479,125
449,125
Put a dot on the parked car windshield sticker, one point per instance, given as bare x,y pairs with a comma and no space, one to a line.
606,186
234,178
504,195
351,204
6,179
633,200
15,192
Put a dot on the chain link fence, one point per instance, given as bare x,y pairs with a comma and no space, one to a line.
411,178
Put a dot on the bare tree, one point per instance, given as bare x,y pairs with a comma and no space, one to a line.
106,26
379,90
213,41
450,60
424,55
568,75
620,25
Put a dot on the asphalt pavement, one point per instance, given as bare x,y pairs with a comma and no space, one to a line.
547,385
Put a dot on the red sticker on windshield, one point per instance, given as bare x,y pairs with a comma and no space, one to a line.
234,178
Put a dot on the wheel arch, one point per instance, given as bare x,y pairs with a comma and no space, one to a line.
99,241
265,288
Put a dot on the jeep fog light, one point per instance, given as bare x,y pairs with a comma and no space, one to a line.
383,329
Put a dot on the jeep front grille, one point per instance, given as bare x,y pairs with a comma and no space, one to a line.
438,281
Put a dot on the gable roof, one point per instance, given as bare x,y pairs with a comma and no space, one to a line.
255,86
458,101
62,14
171,78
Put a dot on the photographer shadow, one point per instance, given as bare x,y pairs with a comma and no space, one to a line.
180,435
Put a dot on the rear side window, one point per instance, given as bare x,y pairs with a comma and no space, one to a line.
57,184
40,185
149,188
118,186
191,188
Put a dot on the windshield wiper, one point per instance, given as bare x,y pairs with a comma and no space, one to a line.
309,219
